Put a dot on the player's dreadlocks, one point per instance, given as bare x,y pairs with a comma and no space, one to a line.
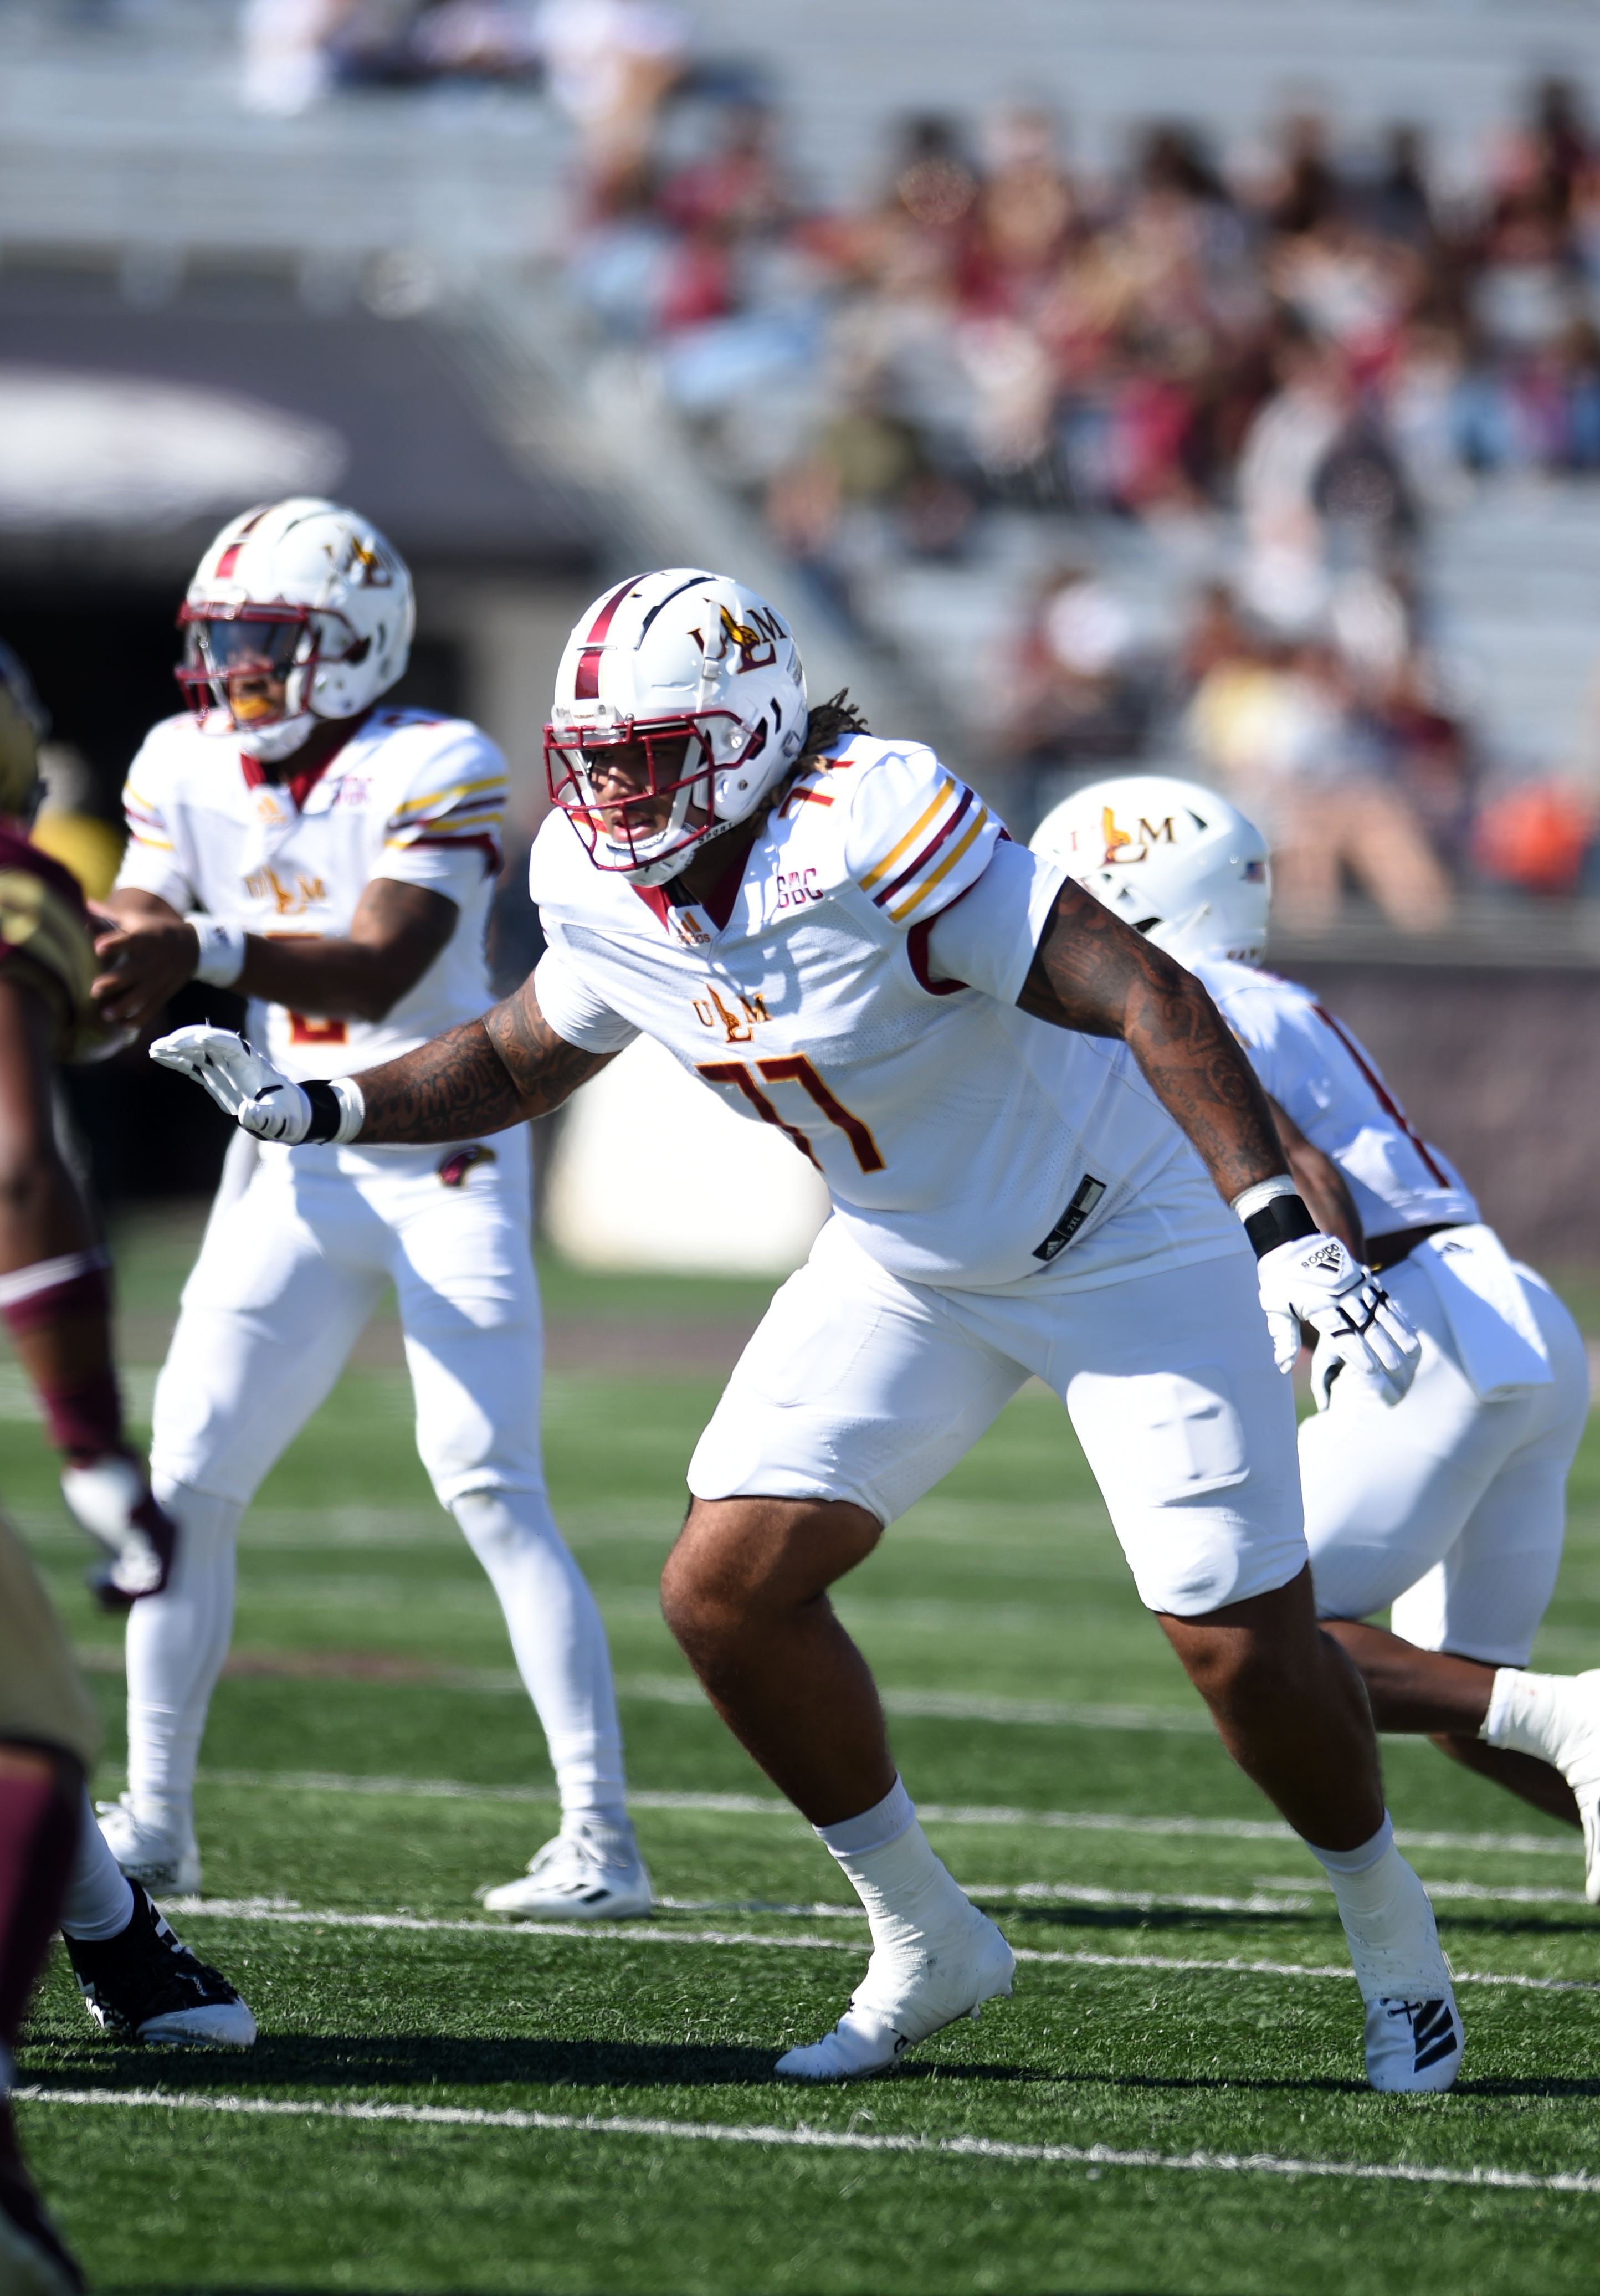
826,722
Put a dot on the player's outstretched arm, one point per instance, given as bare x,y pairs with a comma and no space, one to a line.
483,1077
1091,972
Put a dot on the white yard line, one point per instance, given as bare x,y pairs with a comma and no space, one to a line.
1268,1899
727,1805
823,2140
255,1909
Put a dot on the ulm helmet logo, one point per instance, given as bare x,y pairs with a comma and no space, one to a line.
1123,846
1187,869
756,642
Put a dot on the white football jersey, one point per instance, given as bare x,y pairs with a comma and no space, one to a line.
1325,1078
826,991
410,797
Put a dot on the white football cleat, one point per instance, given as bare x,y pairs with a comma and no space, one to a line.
593,1873
908,1994
1413,2037
1413,2047
166,1868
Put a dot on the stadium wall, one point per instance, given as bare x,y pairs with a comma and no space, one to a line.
1497,1065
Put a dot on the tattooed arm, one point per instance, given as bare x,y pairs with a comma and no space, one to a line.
480,1078
1091,972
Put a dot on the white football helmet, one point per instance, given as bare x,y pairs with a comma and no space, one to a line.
304,591
1173,860
703,676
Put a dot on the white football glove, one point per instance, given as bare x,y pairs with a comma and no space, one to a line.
1361,1332
111,1499
260,1098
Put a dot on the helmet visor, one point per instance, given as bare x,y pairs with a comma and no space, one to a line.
241,664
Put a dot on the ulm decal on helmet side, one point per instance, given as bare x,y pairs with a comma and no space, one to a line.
680,703
1193,873
1130,845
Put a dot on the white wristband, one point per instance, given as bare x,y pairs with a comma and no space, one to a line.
1260,1194
352,1108
221,949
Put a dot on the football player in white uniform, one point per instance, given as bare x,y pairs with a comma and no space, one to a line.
334,858
838,938
1449,1507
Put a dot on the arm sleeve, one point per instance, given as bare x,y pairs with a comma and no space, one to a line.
151,863
916,838
444,833
573,1010
986,939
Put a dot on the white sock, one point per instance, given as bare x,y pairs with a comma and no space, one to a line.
885,1858
559,1642
1551,1715
1386,1915
176,1642
98,1902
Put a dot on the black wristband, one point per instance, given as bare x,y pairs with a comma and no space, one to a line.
1284,1220
326,1112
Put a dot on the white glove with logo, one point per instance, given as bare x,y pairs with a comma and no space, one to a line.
260,1098
1361,1334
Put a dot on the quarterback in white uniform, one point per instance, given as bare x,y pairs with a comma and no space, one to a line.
837,937
334,859
1448,1510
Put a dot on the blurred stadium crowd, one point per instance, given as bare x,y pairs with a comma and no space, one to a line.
1277,376
1207,407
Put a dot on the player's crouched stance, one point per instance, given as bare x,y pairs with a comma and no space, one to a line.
1452,1509
1031,1124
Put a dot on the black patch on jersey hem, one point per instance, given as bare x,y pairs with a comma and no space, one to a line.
1085,1197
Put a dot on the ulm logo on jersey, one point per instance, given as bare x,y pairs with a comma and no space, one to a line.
288,900
711,1012
1122,845
755,641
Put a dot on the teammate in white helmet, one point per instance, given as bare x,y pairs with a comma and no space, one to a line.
1450,1507
996,1079
333,857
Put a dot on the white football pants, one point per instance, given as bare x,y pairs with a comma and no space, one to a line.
859,1385
292,1266
1449,1508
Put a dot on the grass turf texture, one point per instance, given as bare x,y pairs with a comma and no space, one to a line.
997,1612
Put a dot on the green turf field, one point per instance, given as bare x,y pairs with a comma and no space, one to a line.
1173,2101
